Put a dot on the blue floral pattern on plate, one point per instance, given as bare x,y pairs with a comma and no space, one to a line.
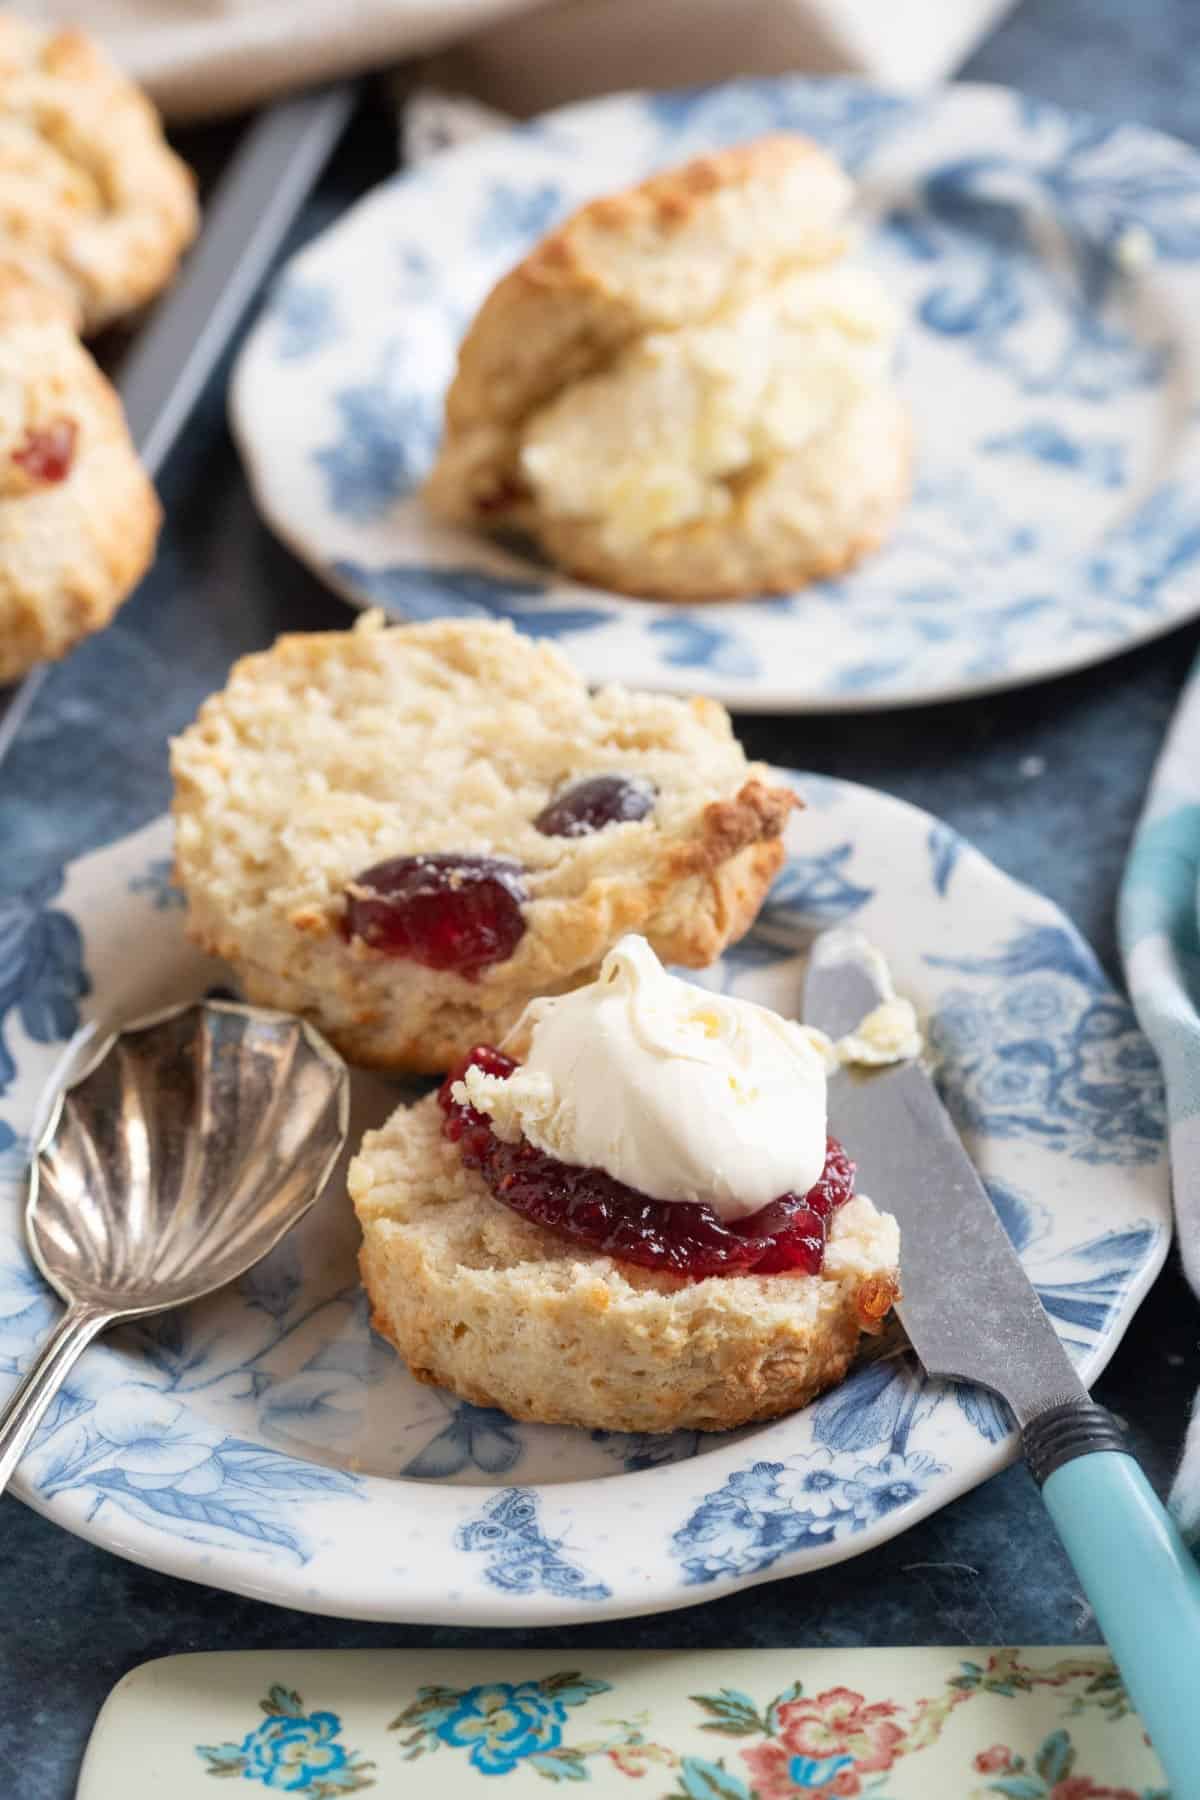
1021,242
267,1441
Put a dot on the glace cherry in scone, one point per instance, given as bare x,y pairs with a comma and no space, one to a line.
444,910
594,802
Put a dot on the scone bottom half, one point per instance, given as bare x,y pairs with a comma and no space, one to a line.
481,1298
405,834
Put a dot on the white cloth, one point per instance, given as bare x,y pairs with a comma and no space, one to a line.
199,57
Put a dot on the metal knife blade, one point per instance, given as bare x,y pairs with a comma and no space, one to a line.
969,1308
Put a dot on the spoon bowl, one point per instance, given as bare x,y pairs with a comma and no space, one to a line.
180,1154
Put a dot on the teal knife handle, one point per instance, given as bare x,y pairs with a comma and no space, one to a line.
1139,1575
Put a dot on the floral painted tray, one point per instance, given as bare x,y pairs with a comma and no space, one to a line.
265,1441
1048,266
1044,1724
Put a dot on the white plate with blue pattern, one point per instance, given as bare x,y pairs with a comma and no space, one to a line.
266,1442
1049,269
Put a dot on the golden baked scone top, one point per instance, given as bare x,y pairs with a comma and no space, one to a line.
93,202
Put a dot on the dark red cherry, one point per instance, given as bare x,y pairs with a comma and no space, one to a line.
596,801
445,911
46,454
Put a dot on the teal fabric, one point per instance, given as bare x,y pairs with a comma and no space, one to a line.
1160,943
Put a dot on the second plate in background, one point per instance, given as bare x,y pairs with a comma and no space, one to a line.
1049,270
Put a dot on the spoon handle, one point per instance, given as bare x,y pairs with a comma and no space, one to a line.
20,1418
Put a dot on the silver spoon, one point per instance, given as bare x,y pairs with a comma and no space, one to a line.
180,1155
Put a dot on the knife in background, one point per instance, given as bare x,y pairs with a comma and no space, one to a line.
256,200
972,1314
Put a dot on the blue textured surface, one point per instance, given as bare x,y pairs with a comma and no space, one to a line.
1047,782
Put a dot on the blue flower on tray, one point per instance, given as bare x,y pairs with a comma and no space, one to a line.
503,1724
520,1557
42,976
292,1752
428,591
1048,1051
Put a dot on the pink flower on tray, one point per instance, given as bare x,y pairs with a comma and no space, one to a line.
780,1774
839,1720
996,1761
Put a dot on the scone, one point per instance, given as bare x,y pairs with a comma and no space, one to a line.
684,391
405,834
78,514
93,203
505,1265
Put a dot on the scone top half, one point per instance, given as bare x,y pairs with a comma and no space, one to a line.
675,251
331,754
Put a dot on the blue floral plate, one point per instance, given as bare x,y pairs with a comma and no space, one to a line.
1049,268
265,1441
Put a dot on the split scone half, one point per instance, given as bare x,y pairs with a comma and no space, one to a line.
684,391
506,1314
524,1244
79,517
405,834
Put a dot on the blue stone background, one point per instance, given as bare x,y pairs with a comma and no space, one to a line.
1047,782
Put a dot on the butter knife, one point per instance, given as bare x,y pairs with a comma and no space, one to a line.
972,1314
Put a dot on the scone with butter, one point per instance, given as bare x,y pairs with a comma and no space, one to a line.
685,390
629,1218
407,834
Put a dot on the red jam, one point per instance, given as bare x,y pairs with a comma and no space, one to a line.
682,1238
444,911
46,454
591,804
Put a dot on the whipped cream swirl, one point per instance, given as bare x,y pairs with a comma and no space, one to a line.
682,1094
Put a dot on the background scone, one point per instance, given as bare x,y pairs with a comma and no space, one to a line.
684,391
93,203
78,514
457,748
509,1315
